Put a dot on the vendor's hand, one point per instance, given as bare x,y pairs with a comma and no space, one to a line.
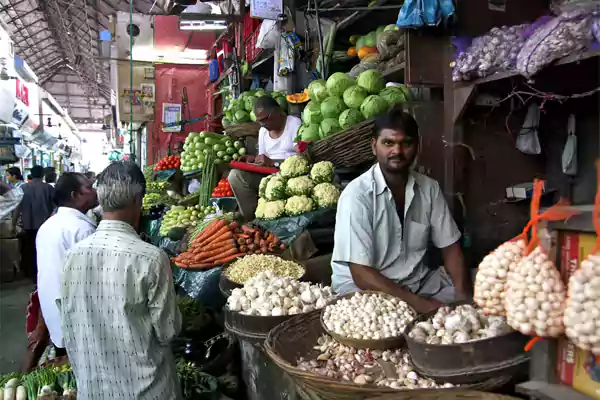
263,161
39,335
246,159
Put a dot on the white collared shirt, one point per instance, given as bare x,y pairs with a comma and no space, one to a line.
281,148
56,236
368,230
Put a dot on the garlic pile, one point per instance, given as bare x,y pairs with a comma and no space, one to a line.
389,368
248,266
535,297
490,281
368,316
582,312
462,324
267,294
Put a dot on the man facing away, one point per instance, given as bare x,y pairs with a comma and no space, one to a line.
117,301
275,144
386,219
35,208
74,196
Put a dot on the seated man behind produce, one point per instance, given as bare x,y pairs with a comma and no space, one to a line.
385,220
275,144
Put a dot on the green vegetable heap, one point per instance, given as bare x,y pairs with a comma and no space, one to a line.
296,189
241,110
198,146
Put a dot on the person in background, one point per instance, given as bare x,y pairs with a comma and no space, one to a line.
91,175
117,301
14,177
385,220
50,176
35,208
74,196
29,178
275,144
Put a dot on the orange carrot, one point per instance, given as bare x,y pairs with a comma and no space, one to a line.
223,253
219,232
243,235
219,245
229,258
201,266
211,229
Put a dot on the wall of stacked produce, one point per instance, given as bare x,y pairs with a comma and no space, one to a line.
199,144
381,49
241,110
296,189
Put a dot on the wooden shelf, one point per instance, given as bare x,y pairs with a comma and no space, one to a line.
357,15
397,69
265,56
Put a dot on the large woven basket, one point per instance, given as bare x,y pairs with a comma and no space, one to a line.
348,148
243,130
296,337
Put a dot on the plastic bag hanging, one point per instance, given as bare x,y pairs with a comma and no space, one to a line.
569,155
528,141
418,13
535,294
583,309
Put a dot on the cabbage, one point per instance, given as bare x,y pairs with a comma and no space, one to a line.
328,127
309,133
236,104
392,27
317,91
372,81
252,116
338,83
312,114
354,96
373,105
260,93
225,122
241,116
332,107
349,118
393,95
370,39
283,104
249,103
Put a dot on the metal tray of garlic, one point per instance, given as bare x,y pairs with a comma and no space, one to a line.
461,344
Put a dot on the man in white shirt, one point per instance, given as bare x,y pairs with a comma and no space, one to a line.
117,301
74,196
385,220
275,144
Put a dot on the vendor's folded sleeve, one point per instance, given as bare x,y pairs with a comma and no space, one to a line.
353,231
444,231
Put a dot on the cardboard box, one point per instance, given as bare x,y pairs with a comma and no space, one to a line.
576,367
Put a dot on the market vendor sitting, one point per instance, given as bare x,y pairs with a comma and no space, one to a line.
275,144
387,217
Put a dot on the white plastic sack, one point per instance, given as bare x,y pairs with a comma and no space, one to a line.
569,155
9,201
268,35
528,141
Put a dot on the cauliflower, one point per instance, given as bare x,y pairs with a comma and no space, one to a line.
263,185
260,209
297,205
273,209
322,172
275,189
299,186
326,195
294,166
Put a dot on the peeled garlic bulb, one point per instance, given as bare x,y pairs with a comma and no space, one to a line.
492,273
535,306
582,307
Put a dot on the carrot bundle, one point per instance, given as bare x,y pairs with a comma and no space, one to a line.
220,242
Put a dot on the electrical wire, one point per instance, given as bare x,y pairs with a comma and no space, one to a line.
131,147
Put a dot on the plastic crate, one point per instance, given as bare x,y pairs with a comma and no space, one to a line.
250,25
251,51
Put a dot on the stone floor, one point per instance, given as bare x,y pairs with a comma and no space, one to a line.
13,340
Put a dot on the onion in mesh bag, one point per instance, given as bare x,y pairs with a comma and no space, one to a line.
583,306
492,273
535,297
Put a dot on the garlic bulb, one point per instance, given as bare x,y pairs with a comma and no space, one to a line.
462,324
535,297
362,366
368,316
269,295
492,273
582,309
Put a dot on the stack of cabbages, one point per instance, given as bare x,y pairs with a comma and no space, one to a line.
296,189
241,110
342,102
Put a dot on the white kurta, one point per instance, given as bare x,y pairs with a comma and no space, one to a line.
119,316
56,236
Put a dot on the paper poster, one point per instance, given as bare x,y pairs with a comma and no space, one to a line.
171,113
266,9
148,92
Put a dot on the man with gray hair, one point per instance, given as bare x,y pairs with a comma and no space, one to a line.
118,307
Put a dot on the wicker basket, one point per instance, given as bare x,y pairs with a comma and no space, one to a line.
376,344
348,148
243,130
296,337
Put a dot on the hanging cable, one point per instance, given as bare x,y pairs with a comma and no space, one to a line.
131,146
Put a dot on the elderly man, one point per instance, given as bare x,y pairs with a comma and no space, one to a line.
117,301
385,220
275,144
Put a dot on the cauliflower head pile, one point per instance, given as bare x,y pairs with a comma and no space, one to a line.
294,166
275,188
262,187
297,205
273,209
260,209
299,186
326,195
322,172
